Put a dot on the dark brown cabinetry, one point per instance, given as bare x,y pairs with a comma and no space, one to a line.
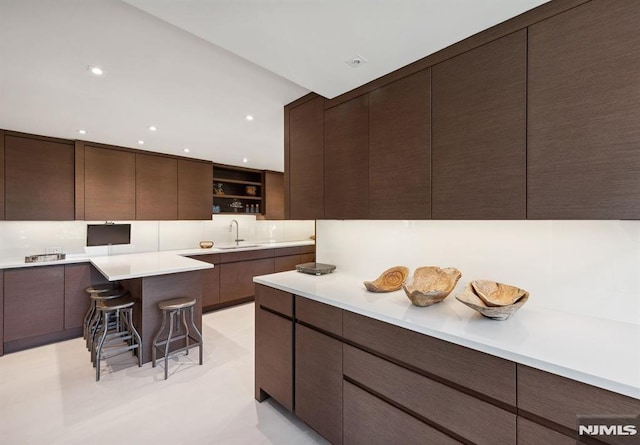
304,160
237,271
582,155
318,368
1,312
33,302
273,195
194,189
2,175
479,132
399,149
237,190
38,178
346,160
210,280
156,187
274,346
77,277
109,184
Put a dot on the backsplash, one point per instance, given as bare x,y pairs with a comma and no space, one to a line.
585,267
21,238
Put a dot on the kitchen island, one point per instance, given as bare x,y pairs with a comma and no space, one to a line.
442,373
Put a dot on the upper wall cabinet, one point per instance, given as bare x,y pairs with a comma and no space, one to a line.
109,184
583,157
399,149
304,160
156,187
346,160
273,195
39,178
479,132
194,189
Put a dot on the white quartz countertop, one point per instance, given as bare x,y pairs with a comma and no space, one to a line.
137,265
599,352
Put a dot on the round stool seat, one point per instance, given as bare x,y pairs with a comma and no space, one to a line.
101,288
177,303
115,304
109,294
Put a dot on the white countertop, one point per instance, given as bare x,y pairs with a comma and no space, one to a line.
599,352
136,265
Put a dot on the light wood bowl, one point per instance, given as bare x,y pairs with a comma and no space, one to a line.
470,298
206,244
390,280
496,294
430,285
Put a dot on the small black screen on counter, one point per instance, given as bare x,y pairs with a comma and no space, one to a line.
108,234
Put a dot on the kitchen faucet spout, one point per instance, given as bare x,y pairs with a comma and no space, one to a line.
237,240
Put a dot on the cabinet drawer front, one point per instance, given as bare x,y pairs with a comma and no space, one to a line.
211,258
307,249
492,376
455,411
236,279
369,420
286,263
274,337
274,299
322,316
286,251
530,433
233,257
560,399
307,258
318,382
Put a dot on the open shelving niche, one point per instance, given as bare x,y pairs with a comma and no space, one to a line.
234,183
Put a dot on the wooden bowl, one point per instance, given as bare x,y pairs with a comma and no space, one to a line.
470,298
431,285
390,280
497,294
206,244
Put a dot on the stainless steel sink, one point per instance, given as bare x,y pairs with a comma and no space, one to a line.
237,247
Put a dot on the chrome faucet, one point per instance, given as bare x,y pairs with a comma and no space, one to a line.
237,240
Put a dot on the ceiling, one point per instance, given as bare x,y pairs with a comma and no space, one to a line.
196,68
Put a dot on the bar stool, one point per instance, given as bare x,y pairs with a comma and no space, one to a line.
95,290
175,308
121,338
95,319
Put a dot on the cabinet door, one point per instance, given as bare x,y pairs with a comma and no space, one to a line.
318,382
39,179
346,160
210,280
479,132
274,195
583,159
77,277
194,190
285,263
274,352
1,312
530,433
156,187
305,167
33,301
1,188
236,279
110,184
399,149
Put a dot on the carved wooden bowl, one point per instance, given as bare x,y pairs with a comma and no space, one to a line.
470,298
206,244
390,280
431,285
496,294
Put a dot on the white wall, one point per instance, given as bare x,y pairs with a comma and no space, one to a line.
21,238
585,267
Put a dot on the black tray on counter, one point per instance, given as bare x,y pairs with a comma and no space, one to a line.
315,268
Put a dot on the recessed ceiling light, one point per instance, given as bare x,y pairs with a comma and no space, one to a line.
245,160
95,70
82,131
356,61
141,142
152,128
186,150
249,117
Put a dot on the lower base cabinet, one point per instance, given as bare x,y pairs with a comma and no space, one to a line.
357,380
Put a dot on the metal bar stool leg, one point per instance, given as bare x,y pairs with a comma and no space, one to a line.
98,349
155,339
197,333
186,329
166,347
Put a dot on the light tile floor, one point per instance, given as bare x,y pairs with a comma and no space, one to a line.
49,395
